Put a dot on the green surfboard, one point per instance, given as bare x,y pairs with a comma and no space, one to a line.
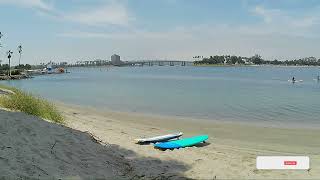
182,142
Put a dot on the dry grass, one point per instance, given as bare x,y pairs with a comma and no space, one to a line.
30,104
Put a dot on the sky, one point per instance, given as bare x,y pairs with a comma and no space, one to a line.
71,30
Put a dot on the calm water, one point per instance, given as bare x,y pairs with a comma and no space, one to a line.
244,94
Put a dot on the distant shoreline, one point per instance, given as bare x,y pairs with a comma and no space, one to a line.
200,65
14,77
247,65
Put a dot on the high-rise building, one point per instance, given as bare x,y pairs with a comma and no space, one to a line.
115,60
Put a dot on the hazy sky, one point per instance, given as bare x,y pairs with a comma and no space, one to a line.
165,29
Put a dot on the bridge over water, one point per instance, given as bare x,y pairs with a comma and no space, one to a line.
158,63
134,63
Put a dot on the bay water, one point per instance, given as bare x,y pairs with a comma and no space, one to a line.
261,95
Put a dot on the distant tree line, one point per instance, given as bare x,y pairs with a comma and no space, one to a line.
4,68
256,60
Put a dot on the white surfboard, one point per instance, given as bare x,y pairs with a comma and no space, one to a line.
159,138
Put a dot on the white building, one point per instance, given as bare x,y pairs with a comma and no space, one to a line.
115,60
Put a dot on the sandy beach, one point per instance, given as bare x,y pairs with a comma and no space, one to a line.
100,144
230,152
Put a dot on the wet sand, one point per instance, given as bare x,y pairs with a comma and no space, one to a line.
230,152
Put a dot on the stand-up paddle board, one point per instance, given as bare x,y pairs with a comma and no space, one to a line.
295,81
175,144
159,138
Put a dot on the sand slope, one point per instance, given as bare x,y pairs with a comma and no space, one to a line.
33,148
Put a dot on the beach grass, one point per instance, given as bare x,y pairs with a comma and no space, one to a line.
30,104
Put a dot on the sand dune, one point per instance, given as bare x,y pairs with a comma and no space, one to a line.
33,148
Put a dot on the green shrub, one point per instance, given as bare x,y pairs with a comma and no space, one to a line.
26,102
15,72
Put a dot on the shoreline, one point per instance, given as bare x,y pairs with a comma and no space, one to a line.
14,77
231,151
208,120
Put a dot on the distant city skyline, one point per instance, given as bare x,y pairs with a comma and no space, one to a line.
152,29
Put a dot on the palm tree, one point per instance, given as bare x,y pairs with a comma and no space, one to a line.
0,38
0,44
20,52
9,57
